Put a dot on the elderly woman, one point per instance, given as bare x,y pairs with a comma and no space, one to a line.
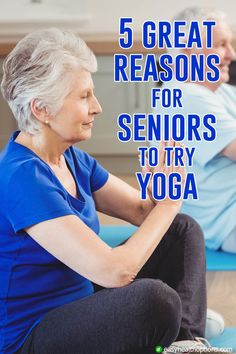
152,287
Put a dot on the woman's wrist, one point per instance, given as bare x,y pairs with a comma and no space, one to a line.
171,206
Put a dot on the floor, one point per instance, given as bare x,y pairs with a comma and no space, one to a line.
221,286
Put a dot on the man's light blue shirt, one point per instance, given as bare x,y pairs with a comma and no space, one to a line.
215,174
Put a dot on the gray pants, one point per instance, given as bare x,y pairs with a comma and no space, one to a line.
166,302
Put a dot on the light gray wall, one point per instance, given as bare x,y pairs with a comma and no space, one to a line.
94,17
105,14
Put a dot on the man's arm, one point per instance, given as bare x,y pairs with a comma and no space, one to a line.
230,151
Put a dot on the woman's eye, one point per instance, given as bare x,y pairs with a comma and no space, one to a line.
85,95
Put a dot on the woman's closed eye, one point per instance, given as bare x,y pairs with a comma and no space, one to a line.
85,95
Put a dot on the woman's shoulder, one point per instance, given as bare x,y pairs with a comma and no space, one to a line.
82,157
20,166
14,156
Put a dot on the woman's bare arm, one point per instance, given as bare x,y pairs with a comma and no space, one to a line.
77,246
118,199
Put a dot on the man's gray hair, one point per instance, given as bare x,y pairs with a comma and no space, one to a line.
197,13
41,67
200,14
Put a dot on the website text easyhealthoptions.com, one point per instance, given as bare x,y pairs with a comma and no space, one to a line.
197,350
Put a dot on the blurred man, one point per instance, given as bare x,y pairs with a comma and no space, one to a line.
214,162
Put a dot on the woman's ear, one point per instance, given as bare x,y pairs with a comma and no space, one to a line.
39,110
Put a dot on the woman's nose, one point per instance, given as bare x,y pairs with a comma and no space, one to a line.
96,107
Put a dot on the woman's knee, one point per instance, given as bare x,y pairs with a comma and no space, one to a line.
187,227
158,303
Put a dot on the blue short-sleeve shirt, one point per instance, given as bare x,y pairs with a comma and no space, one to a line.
32,280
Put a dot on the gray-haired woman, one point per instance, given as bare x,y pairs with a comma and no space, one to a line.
152,287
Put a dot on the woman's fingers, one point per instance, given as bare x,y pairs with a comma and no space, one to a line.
179,168
166,158
146,168
171,145
162,153
170,159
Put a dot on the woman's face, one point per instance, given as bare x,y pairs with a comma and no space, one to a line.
74,121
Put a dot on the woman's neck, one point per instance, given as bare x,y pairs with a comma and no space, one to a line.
49,148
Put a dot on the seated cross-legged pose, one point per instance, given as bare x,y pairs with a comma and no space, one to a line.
151,289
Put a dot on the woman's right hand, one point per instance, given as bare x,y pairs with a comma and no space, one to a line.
167,170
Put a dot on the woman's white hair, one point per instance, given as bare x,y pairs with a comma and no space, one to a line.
41,67
200,14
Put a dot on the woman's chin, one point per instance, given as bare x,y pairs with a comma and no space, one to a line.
82,137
